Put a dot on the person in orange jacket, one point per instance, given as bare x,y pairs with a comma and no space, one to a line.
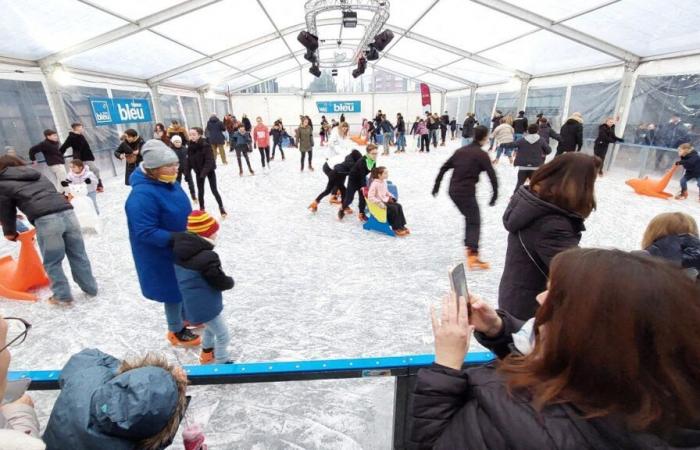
261,138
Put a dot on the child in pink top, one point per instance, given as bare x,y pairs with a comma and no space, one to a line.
261,139
379,194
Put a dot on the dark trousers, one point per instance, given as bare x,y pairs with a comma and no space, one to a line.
336,182
443,134
395,217
188,178
425,142
601,152
311,155
469,208
353,187
212,185
276,144
242,150
127,173
523,175
264,154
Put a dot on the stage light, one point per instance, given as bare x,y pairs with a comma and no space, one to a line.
372,54
308,40
310,56
382,39
315,71
349,19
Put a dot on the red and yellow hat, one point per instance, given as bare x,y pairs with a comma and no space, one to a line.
201,223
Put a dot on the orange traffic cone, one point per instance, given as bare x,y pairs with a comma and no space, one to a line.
18,277
652,188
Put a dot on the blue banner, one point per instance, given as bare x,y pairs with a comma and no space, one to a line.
113,111
338,107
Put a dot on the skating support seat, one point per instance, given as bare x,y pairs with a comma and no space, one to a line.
377,220
17,277
652,188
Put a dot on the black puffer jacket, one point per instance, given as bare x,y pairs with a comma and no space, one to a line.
531,151
683,250
691,164
606,136
472,409
215,131
358,173
520,124
50,150
570,136
26,189
545,230
200,158
345,167
468,163
80,146
468,127
181,155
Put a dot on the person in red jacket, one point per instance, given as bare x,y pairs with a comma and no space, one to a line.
261,139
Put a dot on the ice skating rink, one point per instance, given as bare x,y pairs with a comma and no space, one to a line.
307,287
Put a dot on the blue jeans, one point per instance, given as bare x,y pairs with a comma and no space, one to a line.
500,150
466,141
684,183
434,137
173,315
216,336
517,136
93,197
59,235
401,141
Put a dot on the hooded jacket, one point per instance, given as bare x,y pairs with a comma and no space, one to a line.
606,136
200,277
346,166
80,146
570,136
200,158
155,210
691,164
468,127
215,131
128,148
520,124
545,230
48,148
683,250
29,191
362,168
531,151
305,138
85,174
546,132
98,408
503,134
468,163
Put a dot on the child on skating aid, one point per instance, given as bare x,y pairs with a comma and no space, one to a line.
379,194
202,280
690,160
81,173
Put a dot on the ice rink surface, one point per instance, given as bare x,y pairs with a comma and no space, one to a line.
307,287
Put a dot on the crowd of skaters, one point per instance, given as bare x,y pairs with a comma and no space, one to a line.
539,294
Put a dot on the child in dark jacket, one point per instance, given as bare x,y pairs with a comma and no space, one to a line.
201,280
690,160
240,141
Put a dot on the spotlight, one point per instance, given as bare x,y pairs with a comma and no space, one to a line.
382,39
372,54
310,56
315,71
308,40
361,66
349,19
334,72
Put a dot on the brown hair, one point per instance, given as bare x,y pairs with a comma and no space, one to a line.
618,334
568,182
377,172
77,163
164,436
669,224
10,161
686,148
370,147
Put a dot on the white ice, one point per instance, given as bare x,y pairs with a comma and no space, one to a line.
307,287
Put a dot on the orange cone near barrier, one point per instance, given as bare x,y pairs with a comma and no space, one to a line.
652,188
27,272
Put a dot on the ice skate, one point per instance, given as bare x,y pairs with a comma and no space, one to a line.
362,216
313,207
223,213
334,200
240,173
100,187
311,169
194,198
401,233
58,302
348,211
251,172
206,356
474,263
681,195
341,214
184,338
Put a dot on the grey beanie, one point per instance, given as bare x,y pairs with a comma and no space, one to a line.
156,154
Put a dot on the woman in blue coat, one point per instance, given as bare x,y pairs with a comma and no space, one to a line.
156,208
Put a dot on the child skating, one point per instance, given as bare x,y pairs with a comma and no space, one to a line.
202,280
690,160
379,194
262,141
80,173
240,141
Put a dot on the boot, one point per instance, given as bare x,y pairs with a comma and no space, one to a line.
194,198
223,213
100,187
313,206
401,233
341,214
348,210
184,338
682,195
334,200
473,261
240,172
206,356
59,302
362,216
251,171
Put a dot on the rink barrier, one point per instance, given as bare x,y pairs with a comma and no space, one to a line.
402,368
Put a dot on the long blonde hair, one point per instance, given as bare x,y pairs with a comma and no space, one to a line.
669,224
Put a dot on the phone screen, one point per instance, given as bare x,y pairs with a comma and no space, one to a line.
458,281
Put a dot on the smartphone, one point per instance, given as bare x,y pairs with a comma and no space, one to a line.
458,283
15,390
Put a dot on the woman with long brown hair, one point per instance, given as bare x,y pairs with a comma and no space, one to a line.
610,363
544,219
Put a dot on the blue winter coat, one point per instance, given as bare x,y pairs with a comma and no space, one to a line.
155,210
99,409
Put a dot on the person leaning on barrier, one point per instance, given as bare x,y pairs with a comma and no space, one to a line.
609,362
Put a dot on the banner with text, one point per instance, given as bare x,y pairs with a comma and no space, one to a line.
113,111
338,107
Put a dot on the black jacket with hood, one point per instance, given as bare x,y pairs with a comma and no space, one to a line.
345,167
531,151
472,409
26,189
468,163
606,136
538,231
80,146
570,136
682,250
520,124
215,131
200,158
468,127
691,164
48,148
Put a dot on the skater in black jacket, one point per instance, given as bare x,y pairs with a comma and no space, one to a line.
336,171
52,156
200,158
606,136
520,125
531,152
81,150
468,163
130,151
357,179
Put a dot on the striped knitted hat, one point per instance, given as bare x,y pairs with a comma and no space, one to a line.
201,223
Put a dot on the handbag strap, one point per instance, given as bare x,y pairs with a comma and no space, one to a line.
544,274
592,438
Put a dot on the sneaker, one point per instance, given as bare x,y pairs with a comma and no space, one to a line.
184,338
313,206
206,356
59,302
682,195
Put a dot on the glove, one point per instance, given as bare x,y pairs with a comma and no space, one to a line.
65,183
435,192
88,181
677,163
493,201
620,140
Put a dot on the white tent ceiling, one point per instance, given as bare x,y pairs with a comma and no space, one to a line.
447,43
